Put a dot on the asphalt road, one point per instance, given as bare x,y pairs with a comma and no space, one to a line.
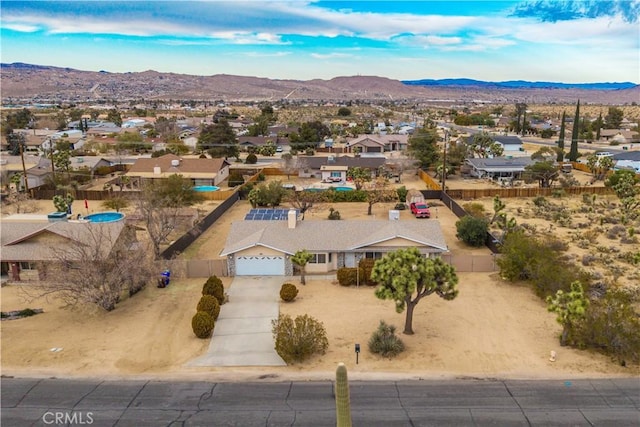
602,402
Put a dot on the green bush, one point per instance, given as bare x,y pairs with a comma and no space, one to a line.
366,265
474,209
235,179
400,206
288,292
385,342
202,324
333,214
251,159
402,193
347,276
539,261
472,230
346,196
612,326
209,304
213,286
297,340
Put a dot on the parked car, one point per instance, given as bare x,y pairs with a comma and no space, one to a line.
420,210
279,149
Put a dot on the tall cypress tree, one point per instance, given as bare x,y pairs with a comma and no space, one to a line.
524,122
575,133
598,126
561,140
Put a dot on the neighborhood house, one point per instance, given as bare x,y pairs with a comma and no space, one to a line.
199,171
255,248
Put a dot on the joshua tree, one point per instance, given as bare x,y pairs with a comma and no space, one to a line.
301,258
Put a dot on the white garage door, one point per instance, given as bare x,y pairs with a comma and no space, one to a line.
260,266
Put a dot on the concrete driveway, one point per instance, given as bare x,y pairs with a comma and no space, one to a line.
242,336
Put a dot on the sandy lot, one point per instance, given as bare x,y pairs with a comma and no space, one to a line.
492,330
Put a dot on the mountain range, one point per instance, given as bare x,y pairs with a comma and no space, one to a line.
21,81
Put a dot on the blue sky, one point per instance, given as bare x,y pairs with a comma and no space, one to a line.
564,41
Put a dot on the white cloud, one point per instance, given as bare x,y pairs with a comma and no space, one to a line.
266,55
239,37
331,55
602,31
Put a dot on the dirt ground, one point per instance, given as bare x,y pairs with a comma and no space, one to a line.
492,330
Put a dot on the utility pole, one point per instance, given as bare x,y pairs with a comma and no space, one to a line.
444,161
24,168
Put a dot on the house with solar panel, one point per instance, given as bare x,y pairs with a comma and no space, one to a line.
262,244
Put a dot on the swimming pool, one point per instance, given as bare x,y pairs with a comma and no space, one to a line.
104,217
343,188
205,188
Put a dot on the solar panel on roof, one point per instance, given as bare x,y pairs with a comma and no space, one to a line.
262,214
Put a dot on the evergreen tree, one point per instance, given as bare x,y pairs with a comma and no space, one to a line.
598,126
561,140
573,153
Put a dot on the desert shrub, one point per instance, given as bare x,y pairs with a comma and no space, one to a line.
472,230
591,235
474,209
251,159
631,257
588,259
366,265
209,304
347,276
612,325
202,324
616,231
300,338
558,193
261,177
568,181
555,244
333,214
540,201
385,342
288,292
400,206
309,152
235,179
538,261
402,193
213,286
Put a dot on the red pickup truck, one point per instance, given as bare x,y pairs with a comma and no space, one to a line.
420,210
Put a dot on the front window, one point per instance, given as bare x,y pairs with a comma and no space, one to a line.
318,259
373,255
335,174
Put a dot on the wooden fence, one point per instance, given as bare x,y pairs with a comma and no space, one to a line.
472,194
41,194
273,171
472,263
205,267
432,184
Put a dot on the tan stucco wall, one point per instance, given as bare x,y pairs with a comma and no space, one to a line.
394,242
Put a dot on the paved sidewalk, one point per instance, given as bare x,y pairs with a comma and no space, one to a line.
242,335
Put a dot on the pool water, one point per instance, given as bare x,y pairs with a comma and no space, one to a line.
104,217
343,188
205,188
